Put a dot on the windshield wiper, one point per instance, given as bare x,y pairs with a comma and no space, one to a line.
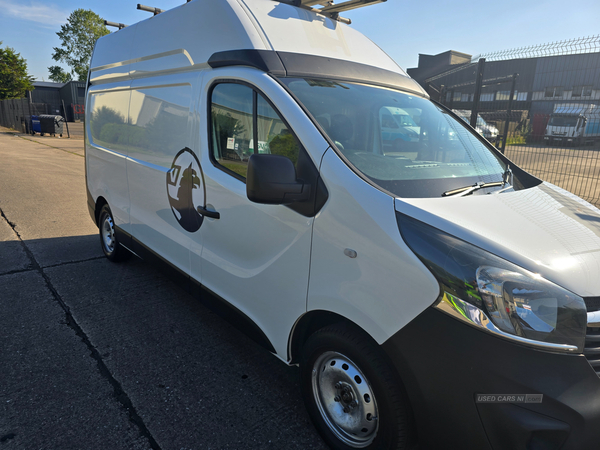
466,190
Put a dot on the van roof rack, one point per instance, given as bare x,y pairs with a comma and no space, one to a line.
120,26
331,9
151,9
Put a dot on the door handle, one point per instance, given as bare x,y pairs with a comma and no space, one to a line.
207,213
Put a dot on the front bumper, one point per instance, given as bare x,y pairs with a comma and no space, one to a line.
445,364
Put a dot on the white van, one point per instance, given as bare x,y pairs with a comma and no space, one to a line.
490,132
433,294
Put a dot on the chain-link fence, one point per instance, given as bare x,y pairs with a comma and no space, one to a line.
540,105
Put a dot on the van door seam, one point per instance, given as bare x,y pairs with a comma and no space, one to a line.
312,230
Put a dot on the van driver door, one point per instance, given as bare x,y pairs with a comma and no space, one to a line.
254,256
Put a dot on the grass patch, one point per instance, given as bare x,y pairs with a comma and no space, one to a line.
515,140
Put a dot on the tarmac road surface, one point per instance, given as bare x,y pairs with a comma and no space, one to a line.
97,355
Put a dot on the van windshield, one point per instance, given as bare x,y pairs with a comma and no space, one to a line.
563,121
403,143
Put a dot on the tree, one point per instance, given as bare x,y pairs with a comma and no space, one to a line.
14,80
58,75
77,39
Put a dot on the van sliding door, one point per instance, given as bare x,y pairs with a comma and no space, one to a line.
159,128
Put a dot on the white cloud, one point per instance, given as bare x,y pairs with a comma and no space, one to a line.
46,14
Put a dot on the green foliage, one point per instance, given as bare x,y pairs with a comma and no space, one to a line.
77,39
285,145
124,135
516,139
14,80
110,132
58,75
161,130
109,127
227,125
102,117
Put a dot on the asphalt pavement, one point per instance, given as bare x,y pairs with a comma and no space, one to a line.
97,355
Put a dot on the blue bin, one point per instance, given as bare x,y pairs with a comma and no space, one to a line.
35,125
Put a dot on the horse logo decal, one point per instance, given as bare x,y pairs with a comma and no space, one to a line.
186,190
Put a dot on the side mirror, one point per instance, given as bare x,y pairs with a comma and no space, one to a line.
271,179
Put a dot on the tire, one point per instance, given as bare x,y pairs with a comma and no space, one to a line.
108,239
353,395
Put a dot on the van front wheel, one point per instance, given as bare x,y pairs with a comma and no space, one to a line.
351,392
108,239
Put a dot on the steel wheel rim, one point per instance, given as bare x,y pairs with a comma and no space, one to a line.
345,399
108,233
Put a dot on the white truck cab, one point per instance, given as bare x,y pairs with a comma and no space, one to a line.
242,144
573,124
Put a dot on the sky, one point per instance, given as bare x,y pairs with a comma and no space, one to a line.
402,28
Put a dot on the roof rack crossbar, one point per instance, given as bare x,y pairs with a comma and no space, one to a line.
151,9
120,26
349,5
331,9
315,2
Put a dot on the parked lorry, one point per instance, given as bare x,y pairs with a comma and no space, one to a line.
431,293
573,124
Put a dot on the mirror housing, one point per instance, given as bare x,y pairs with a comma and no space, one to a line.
271,179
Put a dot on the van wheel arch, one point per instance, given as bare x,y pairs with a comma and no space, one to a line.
313,321
99,204
307,325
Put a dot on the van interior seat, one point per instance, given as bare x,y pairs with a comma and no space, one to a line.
341,130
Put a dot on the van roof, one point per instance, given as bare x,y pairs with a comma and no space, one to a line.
574,108
273,36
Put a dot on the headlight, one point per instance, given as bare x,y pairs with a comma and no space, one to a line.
495,295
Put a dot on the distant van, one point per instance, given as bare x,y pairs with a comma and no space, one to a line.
397,127
431,291
488,131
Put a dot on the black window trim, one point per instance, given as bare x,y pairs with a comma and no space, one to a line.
301,65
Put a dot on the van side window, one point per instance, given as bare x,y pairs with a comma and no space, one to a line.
273,136
231,123
239,117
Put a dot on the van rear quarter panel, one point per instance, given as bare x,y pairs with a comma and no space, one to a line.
106,112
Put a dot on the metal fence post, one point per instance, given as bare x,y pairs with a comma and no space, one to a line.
14,115
4,115
509,111
66,124
478,83
29,106
24,116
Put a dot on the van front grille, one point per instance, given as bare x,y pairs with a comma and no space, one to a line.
592,337
592,303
